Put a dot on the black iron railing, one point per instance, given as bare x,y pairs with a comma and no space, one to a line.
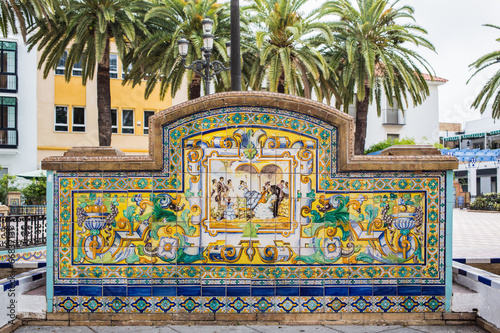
18,231
28,210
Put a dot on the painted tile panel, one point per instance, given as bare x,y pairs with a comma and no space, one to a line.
249,215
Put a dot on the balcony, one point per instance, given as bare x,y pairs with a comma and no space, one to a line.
394,116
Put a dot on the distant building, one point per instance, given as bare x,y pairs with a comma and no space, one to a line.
67,111
420,122
18,106
477,148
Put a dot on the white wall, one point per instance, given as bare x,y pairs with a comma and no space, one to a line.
23,159
485,124
421,122
489,296
26,283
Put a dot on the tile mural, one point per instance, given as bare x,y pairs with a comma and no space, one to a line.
249,214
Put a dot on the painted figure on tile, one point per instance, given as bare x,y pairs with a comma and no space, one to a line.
229,213
278,193
252,197
264,209
230,193
221,190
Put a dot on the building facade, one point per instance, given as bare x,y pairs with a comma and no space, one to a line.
478,149
419,122
18,106
67,111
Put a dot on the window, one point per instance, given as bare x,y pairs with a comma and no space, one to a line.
61,123
114,121
8,122
352,111
125,71
128,121
77,69
392,137
78,119
393,115
113,66
8,66
147,114
62,64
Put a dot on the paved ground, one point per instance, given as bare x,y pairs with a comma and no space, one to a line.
254,329
475,235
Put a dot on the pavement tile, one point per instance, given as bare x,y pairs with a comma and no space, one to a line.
54,329
404,330
212,329
142,329
448,329
363,329
292,329
475,235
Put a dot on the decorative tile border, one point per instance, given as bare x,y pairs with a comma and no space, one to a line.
23,278
477,274
261,304
28,255
477,260
22,264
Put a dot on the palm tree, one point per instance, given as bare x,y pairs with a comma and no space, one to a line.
16,16
492,86
371,57
158,57
286,53
86,27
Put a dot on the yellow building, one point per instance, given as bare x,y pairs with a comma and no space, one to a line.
67,111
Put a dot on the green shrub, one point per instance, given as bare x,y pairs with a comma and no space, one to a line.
35,192
489,201
388,143
7,183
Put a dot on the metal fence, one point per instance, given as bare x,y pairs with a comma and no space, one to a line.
18,231
28,210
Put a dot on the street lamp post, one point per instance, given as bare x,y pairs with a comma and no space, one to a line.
206,68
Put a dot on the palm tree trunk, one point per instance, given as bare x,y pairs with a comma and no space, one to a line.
361,120
104,99
281,84
195,87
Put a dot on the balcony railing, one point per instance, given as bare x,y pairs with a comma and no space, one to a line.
19,231
28,210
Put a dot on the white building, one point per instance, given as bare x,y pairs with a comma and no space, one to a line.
478,150
420,123
18,100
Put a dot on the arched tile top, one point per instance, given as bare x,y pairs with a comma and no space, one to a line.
410,158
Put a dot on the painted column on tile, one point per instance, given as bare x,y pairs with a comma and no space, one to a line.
249,214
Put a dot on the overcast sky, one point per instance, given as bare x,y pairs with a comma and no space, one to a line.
456,29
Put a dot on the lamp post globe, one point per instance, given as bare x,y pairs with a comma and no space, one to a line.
204,67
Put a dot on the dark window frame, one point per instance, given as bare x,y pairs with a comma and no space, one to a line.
61,124
82,126
113,74
15,129
77,69
126,128
7,74
114,128
61,69
146,121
